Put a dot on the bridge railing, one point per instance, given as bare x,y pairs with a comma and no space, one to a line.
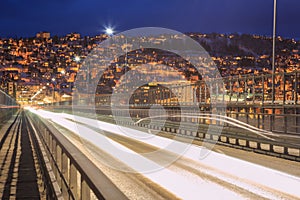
247,98
76,176
246,89
8,106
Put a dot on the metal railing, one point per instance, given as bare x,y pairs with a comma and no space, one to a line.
247,89
247,98
8,106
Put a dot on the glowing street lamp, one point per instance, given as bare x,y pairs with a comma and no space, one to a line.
109,31
77,59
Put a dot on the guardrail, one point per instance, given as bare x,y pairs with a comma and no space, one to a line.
6,114
75,175
8,107
233,137
279,120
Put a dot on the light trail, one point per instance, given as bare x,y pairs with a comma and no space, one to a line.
254,173
254,178
164,177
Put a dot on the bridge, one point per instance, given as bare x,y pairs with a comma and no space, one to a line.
239,142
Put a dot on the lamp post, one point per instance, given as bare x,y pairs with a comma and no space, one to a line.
53,92
273,65
273,51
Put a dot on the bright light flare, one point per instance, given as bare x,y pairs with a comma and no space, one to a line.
109,31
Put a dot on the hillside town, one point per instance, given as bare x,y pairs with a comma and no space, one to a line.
49,64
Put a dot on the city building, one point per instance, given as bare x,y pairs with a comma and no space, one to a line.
43,35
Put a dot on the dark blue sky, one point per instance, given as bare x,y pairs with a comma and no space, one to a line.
88,17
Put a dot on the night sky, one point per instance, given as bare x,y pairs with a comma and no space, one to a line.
23,18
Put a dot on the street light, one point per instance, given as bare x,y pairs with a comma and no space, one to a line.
77,59
109,31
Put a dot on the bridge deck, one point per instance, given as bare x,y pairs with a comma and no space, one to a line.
20,176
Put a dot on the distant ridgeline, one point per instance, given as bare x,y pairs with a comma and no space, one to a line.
244,44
